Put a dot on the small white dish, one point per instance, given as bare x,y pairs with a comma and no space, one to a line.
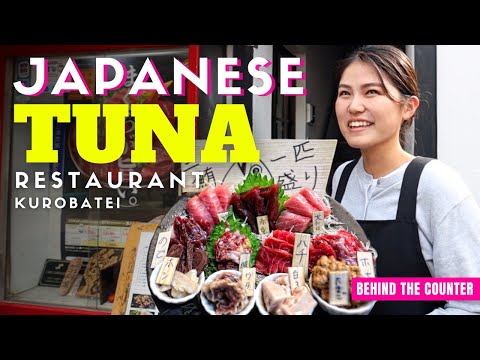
210,306
337,310
259,293
163,296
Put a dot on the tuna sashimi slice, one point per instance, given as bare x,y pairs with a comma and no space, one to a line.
278,244
224,194
200,214
272,261
316,250
241,210
270,195
211,201
293,222
299,205
315,200
284,235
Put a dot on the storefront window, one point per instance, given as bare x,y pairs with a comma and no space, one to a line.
67,231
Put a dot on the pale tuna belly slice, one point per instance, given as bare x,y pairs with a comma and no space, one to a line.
293,222
299,205
315,200
211,201
224,194
200,214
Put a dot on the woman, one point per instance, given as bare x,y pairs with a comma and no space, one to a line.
417,212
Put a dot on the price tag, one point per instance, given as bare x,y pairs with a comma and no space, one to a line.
222,216
339,292
365,263
248,280
161,249
262,224
167,271
300,252
244,261
297,277
318,222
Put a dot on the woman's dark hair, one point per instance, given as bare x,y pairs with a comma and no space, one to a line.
389,61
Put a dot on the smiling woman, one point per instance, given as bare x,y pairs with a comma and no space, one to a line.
418,213
370,110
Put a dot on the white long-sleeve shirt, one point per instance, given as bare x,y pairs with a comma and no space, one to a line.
448,219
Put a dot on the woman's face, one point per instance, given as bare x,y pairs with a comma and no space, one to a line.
367,117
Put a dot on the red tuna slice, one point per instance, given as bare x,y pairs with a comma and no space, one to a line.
299,205
270,194
200,214
285,235
211,201
293,222
345,245
319,247
224,194
242,212
188,230
278,244
254,202
315,200
272,261
352,240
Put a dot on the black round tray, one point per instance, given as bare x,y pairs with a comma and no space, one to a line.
194,307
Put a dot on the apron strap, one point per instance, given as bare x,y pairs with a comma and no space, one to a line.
407,203
342,184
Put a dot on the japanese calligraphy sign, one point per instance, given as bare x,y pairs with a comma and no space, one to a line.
296,276
300,252
163,240
248,280
318,219
339,292
262,223
167,271
244,261
292,163
365,263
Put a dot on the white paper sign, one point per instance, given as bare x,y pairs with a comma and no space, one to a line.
292,163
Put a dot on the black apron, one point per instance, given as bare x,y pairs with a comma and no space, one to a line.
397,241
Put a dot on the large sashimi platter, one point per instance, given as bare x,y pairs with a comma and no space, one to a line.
210,231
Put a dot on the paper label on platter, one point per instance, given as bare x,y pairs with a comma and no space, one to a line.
161,249
300,252
339,292
167,271
297,277
244,261
222,216
318,222
248,280
262,224
365,263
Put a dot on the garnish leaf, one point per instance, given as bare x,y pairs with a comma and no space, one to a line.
254,179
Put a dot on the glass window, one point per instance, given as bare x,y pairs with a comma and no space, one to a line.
65,242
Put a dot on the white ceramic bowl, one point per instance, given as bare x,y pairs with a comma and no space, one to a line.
336,310
210,306
164,296
259,293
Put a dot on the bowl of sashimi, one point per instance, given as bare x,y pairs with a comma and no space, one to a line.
223,293
187,243
274,296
